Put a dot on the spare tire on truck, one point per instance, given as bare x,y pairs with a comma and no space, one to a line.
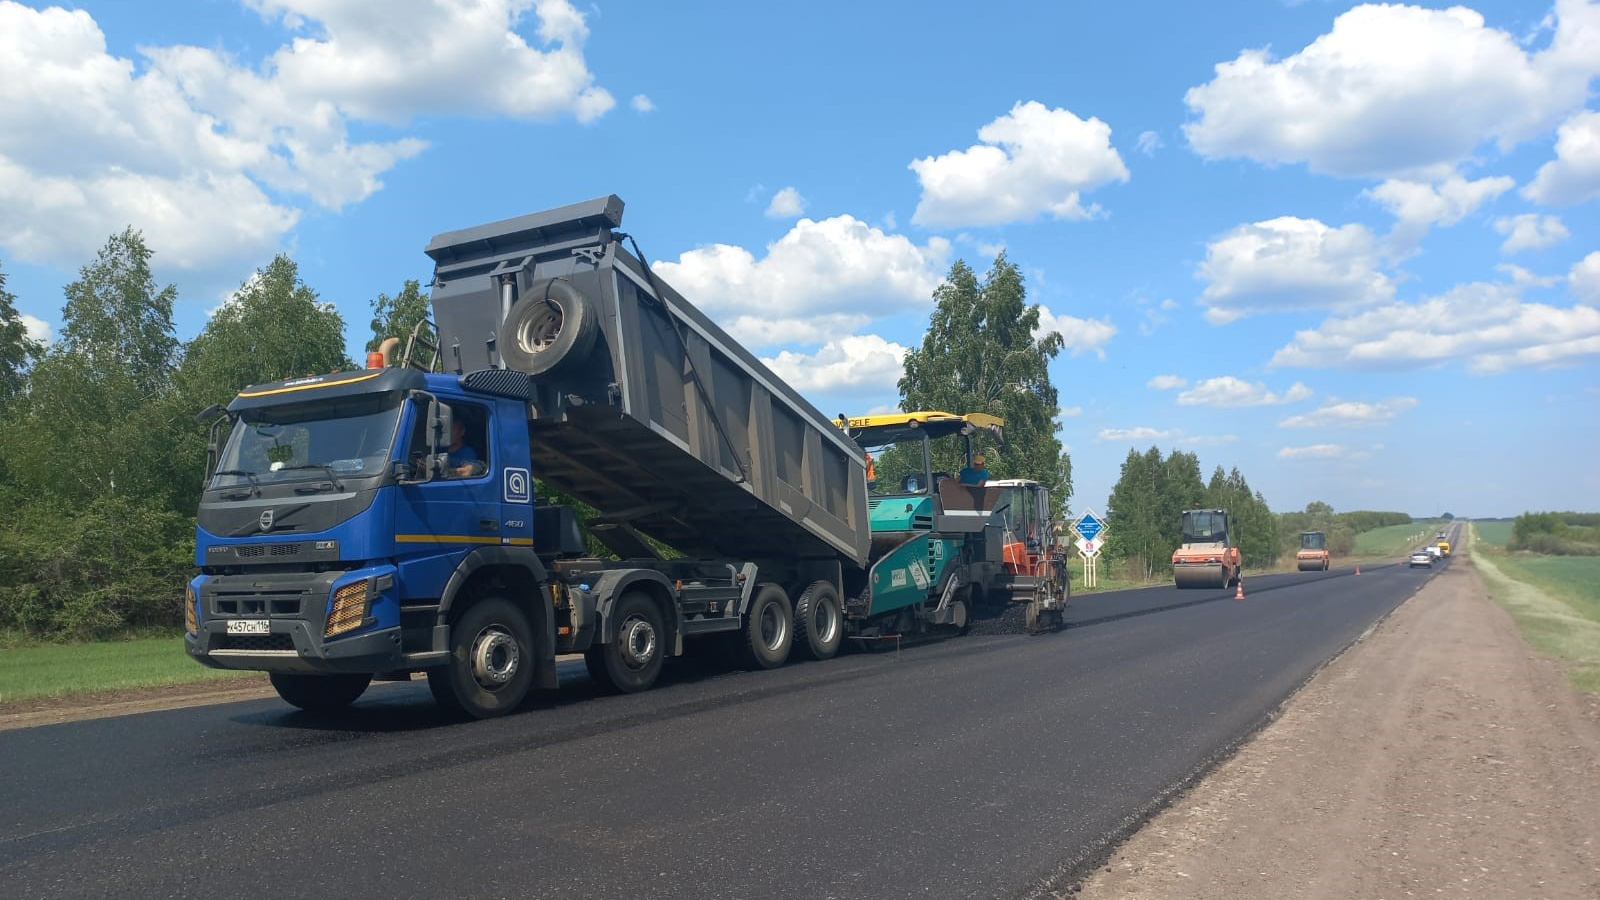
552,326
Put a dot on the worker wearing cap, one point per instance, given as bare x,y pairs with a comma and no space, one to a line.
974,473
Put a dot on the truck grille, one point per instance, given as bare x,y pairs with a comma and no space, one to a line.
257,605
257,551
254,642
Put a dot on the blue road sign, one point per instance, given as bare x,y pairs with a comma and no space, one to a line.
1089,526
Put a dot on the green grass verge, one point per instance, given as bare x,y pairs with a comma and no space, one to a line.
1555,601
63,669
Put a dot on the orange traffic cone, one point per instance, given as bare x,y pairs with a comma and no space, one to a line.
1358,568
1239,594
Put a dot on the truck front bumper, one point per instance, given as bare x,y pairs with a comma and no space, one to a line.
292,647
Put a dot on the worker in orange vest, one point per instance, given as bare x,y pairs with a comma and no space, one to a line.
872,474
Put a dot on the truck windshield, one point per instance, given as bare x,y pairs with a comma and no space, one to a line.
1313,540
1204,526
342,437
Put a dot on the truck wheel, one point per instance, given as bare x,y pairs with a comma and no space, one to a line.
551,326
491,661
768,629
632,660
320,693
819,621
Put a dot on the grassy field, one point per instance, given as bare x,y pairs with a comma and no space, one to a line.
1555,601
1395,540
58,670
1497,533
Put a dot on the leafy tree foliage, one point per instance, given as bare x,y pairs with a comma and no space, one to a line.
1252,526
1556,533
17,349
117,322
1143,513
980,354
273,327
397,316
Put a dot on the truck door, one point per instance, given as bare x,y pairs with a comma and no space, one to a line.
438,522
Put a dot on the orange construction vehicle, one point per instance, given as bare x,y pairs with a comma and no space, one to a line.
1207,558
1313,555
1034,551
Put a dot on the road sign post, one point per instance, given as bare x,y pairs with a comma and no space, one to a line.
1090,530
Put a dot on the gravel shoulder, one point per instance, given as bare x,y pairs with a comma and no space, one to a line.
1438,757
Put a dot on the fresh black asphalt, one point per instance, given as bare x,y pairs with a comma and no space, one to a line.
980,767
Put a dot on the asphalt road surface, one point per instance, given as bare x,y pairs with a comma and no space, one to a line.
992,766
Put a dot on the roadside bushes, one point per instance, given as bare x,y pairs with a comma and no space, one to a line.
74,574
1556,533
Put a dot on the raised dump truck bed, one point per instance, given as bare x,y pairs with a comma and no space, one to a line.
641,406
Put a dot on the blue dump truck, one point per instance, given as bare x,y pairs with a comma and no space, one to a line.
381,523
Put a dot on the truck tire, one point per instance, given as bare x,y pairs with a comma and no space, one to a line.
768,629
632,660
491,661
818,621
551,327
319,693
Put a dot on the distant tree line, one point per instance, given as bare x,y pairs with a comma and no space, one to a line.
1557,533
1144,515
101,458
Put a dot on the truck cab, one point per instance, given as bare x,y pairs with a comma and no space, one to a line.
336,534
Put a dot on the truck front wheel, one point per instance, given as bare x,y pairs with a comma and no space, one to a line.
491,661
320,693
631,661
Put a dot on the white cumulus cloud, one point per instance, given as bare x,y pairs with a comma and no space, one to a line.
1394,90
1033,161
1314,451
1149,142
1291,264
854,363
1077,335
786,204
1418,205
1226,392
1574,175
1584,278
1530,231
1351,414
37,328
213,158
819,282
1167,382
642,103
1140,433
1488,327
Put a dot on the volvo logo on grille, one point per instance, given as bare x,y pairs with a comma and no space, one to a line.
266,520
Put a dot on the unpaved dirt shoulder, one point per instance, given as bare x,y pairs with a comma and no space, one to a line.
1439,757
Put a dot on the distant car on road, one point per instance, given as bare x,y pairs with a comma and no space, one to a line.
1422,558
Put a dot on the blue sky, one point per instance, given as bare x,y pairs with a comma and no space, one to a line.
1353,250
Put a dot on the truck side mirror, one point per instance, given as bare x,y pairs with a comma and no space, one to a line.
441,420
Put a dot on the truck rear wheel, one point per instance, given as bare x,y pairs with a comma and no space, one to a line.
552,326
632,660
491,661
819,621
768,629
320,693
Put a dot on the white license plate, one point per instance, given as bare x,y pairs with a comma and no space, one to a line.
249,626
